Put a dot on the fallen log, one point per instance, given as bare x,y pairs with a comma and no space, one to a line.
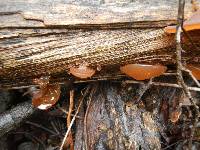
31,57
52,48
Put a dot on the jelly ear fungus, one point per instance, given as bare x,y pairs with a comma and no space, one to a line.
82,72
47,95
142,71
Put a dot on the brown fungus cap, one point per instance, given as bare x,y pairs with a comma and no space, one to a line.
142,72
82,72
46,97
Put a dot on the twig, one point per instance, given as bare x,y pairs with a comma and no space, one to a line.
69,118
178,44
42,127
180,67
54,127
12,118
66,112
94,79
167,147
73,119
143,89
190,39
162,84
71,101
193,78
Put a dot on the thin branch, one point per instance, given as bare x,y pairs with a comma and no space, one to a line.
42,127
143,89
13,117
69,118
193,78
190,39
66,112
54,127
180,67
73,119
167,147
178,43
161,84
71,101
94,79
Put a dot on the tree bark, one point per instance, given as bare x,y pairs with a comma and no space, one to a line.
115,122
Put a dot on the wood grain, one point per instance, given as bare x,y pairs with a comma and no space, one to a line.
28,54
40,38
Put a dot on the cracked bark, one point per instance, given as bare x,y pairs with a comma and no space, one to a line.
115,122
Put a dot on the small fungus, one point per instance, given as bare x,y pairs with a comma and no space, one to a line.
46,97
195,69
192,23
82,71
142,72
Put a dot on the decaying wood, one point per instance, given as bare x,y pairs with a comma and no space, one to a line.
25,58
115,122
38,46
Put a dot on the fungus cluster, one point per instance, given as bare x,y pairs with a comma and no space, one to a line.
136,71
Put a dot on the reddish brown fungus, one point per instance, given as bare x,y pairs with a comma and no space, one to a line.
142,72
46,97
82,71
195,69
193,23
